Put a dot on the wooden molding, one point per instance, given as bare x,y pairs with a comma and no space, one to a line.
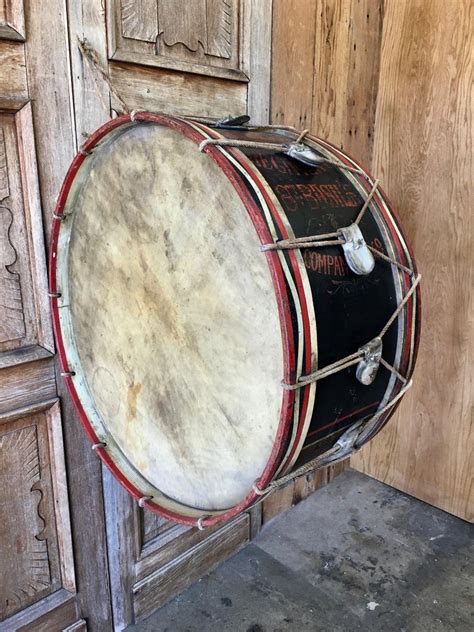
156,589
24,312
12,20
78,626
204,37
160,90
14,92
35,532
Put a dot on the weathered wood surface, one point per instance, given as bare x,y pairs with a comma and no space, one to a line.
51,613
91,94
325,61
423,152
37,558
30,565
259,27
27,376
159,90
346,72
165,549
158,588
123,547
14,93
37,569
48,72
205,37
26,384
299,489
293,44
24,315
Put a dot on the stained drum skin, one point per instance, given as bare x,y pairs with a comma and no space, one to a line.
175,317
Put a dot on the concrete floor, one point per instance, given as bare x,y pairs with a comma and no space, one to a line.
356,555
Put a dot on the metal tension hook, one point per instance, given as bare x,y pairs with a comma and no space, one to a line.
370,362
302,153
358,256
232,121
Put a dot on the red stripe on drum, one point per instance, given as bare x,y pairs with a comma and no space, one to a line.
339,419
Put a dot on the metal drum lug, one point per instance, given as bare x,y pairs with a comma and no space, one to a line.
369,365
358,256
232,121
302,153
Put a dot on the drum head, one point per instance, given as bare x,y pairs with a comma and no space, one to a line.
170,317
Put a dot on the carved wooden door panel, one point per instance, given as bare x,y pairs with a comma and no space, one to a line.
37,575
199,57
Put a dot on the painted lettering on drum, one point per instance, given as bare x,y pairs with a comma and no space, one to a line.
331,265
330,196
269,161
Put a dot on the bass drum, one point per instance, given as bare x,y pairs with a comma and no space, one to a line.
232,305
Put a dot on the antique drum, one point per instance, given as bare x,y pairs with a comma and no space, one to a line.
232,305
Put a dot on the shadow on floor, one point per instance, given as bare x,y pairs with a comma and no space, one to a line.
356,555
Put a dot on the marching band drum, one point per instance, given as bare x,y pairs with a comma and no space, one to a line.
233,306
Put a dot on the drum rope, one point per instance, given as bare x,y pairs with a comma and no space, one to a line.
383,256
354,358
89,54
326,371
338,451
249,144
316,241
301,136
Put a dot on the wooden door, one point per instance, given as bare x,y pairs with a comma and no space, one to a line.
43,567
77,552
200,57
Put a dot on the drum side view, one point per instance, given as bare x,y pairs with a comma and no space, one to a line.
231,305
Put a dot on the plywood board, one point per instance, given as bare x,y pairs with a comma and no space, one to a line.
423,153
346,71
